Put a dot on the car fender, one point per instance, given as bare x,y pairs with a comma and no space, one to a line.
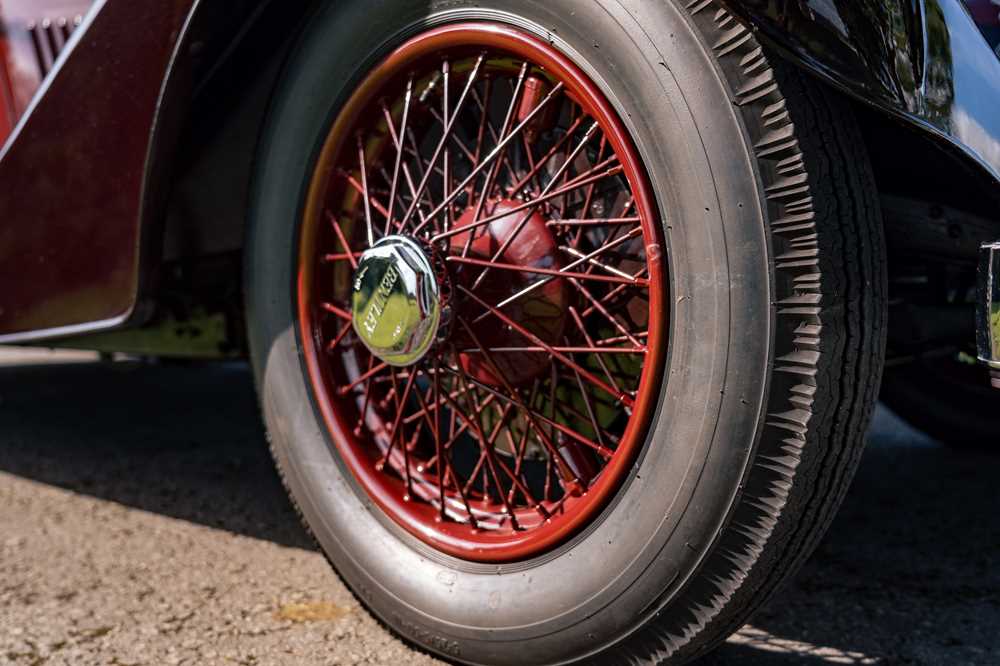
924,62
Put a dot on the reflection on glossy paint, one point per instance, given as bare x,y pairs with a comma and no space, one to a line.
32,33
926,60
986,14
72,177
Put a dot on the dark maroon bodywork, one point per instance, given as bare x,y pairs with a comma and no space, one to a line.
85,174
73,177
33,34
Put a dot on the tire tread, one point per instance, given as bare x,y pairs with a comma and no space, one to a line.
830,321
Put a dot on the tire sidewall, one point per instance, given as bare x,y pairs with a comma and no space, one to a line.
649,542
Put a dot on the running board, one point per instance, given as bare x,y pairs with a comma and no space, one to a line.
988,309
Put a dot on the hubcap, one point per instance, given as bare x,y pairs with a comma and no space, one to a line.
396,301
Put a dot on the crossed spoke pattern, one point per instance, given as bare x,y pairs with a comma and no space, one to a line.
515,414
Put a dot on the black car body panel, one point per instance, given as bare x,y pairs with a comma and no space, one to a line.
927,62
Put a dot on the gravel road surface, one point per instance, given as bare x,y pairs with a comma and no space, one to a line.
141,523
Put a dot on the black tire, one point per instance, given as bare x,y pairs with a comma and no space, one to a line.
777,334
949,400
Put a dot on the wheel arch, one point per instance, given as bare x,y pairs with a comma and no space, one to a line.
922,78
217,123
213,110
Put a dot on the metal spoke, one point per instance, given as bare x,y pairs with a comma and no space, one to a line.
399,153
541,283
446,176
440,147
595,222
370,200
552,152
586,336
515,98
342,240
364,192
537,420
575,184
397,424
337,339
339,312
594,262
607,315
340,256
618,395
617,278
519,227
569,349
496,151
372,371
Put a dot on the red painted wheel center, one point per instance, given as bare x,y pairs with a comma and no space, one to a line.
481,293
543,311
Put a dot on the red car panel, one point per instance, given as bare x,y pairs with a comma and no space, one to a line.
33,35
73,176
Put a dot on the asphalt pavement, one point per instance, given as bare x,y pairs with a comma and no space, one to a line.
141,522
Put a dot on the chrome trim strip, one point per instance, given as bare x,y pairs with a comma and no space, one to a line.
988,305
63,331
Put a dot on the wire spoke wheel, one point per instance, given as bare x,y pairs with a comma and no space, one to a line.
567,318
480,290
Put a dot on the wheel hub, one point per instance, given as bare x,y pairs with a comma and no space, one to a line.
396,301
543,312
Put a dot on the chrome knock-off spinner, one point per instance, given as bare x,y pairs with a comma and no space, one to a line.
396,301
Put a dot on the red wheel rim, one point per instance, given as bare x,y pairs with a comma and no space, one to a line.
494,151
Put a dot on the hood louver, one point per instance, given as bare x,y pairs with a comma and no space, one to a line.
49,37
